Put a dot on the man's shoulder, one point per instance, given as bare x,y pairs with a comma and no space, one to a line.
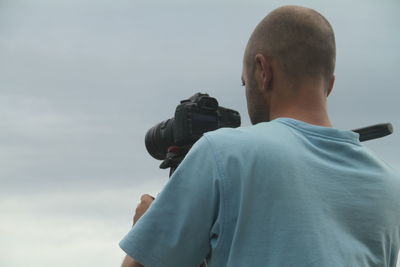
266,132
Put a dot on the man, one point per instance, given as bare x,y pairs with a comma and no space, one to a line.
289,190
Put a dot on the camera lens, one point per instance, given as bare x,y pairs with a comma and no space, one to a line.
159,138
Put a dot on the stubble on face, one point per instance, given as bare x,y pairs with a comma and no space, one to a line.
256,106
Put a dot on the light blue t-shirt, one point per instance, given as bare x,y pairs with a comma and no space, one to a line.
277,194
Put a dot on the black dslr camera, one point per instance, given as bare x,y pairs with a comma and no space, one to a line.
193,117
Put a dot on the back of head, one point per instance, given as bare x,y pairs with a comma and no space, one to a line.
300,39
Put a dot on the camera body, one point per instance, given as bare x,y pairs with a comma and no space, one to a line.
193,117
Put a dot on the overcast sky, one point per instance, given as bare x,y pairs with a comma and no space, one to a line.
81,81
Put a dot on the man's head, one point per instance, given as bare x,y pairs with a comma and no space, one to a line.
292,46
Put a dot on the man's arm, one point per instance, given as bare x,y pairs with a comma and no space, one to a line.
176,229
129,262
145,202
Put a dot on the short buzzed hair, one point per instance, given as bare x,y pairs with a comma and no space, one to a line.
300,39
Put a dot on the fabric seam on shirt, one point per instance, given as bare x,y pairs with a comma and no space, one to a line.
224,201
346,140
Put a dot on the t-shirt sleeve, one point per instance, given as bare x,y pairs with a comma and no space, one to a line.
184,219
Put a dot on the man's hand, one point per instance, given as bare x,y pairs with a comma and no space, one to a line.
145,202
129,262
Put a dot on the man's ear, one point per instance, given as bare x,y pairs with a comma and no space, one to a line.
264,71
330,86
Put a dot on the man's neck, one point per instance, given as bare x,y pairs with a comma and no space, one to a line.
307,104
309,118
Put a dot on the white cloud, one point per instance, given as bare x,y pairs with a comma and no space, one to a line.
68,229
